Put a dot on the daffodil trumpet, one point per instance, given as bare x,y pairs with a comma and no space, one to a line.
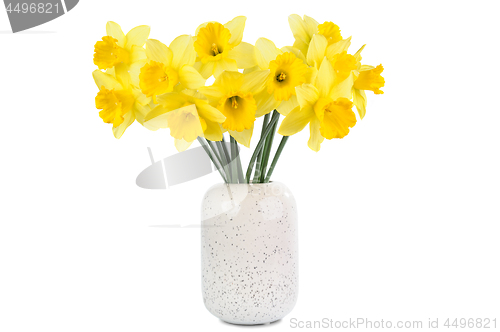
316,82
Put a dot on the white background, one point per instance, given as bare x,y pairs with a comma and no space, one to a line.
398,221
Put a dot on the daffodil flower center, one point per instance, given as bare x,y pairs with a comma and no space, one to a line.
212,42
156,79
331,32
215,49
114,105
343,64
185,123
281,77
239,109
287,72
108,54
370,80
234,102
335,117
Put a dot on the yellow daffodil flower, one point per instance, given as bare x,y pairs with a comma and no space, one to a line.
119,51
347,66
219,47
188,115
319,48
165,67
119,104
233,95
304,29
326,107
287,70
369,79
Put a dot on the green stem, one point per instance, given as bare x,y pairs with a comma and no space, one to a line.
259,146
256,174
224,160
276,157
235,157
267,151
232,170
205,147
215,151
241,179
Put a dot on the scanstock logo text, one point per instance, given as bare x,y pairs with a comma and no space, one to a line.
26,14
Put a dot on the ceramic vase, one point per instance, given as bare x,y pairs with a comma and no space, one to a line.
249,252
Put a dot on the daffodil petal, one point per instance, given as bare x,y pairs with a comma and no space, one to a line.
325,79
243,137
182,145
266,52
210,113
286,106
140,112
212,93
255,82
140,98
299,29
229,81
137,53
359,100
311,25
205,69
170,101
236,27
202,26
296,120
183,50
105,80
184,123
316,51
366,67
300,45
195,94
295,51
110,71
311,75
159,52
122,74
137,36
135,70
265,103
225,65
307,95
150,127
128,119
114,30
251,70
338,47
156,118
213,131
191,78
343,89
244,54
315,139
357,55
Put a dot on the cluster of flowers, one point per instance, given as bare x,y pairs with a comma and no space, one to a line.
315,81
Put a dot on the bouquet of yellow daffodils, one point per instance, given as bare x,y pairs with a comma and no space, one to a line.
315,81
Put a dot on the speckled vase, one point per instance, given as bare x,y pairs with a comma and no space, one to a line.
249,252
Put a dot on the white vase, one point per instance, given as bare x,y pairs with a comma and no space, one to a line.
249,252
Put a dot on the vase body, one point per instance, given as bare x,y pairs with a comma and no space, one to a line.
249,252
